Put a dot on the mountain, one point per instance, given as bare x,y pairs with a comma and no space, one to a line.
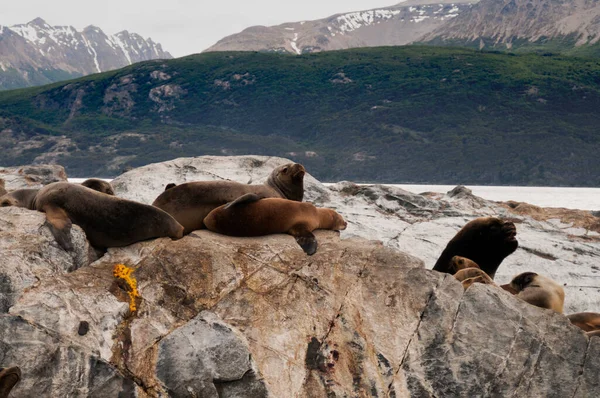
388,114
390,26
566,26
37,53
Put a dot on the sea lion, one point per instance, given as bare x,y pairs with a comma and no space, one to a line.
251,215
170,185
538,290
458,263
587,321
108,221
190,203
19,198
99,185
486,241
2,187
469,276
9,377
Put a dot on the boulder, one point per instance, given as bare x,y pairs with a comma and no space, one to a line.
254,317
31,176
29,253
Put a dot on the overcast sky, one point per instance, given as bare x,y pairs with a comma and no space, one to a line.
181,26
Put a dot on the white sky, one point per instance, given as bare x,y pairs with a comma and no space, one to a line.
181,26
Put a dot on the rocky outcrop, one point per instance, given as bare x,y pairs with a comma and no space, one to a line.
31,176
559,245
218,316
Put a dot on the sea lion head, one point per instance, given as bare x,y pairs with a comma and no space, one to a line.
521,281
486,240
99,185
331,219
7,201
288,179
457,263
170,185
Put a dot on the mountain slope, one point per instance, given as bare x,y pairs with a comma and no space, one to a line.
568,26
397,25
393,114
37,53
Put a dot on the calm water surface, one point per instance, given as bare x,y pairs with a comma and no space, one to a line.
571,198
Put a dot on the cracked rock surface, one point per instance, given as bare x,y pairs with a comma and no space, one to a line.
35,176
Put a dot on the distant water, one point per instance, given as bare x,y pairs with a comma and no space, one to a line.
570,198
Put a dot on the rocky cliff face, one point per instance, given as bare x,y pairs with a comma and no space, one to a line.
37,53
390,26
230,317
507,23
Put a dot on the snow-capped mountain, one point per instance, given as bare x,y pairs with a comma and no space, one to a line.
396,25
37,53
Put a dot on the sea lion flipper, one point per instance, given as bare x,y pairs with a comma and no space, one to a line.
305,238
60,225
244,199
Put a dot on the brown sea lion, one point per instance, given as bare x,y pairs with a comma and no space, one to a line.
538,290
250,215
486,241
9,377
190,203
587,321
469,276
19,198
99,185
2,187
108,221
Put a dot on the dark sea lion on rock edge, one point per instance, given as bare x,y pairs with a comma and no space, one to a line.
99,185
19,198
537,290
586,321
250,215
486,241
190,203
9,377
108,221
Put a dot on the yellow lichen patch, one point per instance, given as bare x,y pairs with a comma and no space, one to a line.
123,272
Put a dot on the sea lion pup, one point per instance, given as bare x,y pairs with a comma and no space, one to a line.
190,203
469,276
19,198
486,241
9,377
458,263
537,290
250,215
587,321
99,185
108,221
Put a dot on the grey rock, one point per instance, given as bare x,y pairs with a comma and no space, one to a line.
35,176
205,353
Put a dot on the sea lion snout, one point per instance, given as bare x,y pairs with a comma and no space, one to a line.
510,231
